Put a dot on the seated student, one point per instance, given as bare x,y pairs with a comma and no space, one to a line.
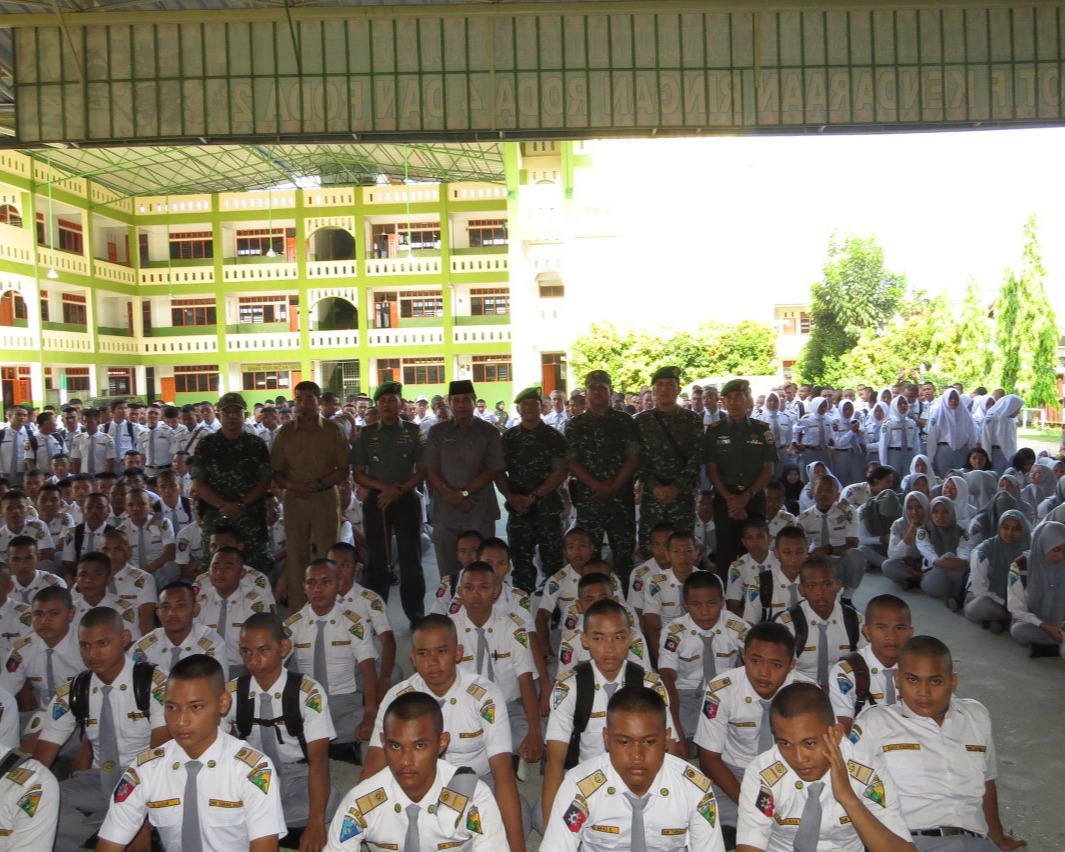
59,467
133,585
173,505
33,481
15,506
695,647
418,801
771,591
657,563
87,535
1011,485
151,538
867,677
42,661
225,606
572,739
571,650
814,472
118,704
1036,593
778,516
810,791
705,531
904,563
743,574
466,549
180,635
218,792
252,579
51,512
81,486
334,646
371,608
475,717
832,531
265,702
733,723
189,545
940,751
15,616
663,602
989,571
944,546
1051,506
29,801
826,629
27,576
635,795
91,592
875,518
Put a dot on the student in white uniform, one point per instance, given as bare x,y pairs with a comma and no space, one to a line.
15,616
91,592
203,789
225,605
944,545
782,425
832,530
813,432
899,436
998,435
951,433
29,802
848,453
92,451
179,635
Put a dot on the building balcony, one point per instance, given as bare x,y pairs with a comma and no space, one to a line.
263,342
341,339
183,345
477,191
168,275
114,272
13,337
333,269
240,273
417,336
66,341
16,244
62,261
376,267
410,194
107,344
481,334
467,264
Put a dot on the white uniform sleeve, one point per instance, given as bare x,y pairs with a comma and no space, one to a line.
563,706
701,834
9,721
964,546
124,818
550,596
494,837
753,827
58,722
897,548
497,739
378,615
1017,599
978,570
262,810
925,548
36,813
711,731
166,531
565,825
841,692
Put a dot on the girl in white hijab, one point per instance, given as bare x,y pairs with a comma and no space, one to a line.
989,568
950,433
848,459
813,432
780,424
946,551
899,437
904,563
1009,482
921,464
1036,592
1051,507
814,471
874,421
998,434
1041,482
957,489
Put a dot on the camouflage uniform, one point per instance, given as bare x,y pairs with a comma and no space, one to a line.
602,442
669,462
531,456
233,468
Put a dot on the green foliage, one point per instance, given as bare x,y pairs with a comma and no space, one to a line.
882,357
856,295
713,349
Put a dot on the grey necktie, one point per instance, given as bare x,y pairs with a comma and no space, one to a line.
793,594
709,659
25,595
109,768
765,729
321,672
142,548
483,654
810,827
822,654
639,837
269,733
16,452
776,430
49,672
175,656
412,839
175,522
889,686
610,688
826,533
191,839
151,448
90,448
223,617
48,452
89,546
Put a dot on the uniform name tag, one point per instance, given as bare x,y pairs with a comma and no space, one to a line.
470,736
164,803
902,747
222,803
978,748
607,829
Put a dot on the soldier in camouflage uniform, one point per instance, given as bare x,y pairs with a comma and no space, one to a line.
231,471
535,455
672,441
603,453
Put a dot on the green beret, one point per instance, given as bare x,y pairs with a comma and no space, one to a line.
736,386
597,377
533,392
666,373
231,398
388,387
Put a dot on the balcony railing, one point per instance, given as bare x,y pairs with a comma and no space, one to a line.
242,272
180,345
108,345
17,338
405,336
177,275
107,271
263,342
342,339
485,334
16,244
62,261
333,269
403,266
472,263
66,341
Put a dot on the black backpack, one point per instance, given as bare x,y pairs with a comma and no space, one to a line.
582,712
13,760
79,538
862,692
142,692
290,710
802,627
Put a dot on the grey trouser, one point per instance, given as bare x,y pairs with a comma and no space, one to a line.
960,843
984,608
346,711
875,554
84,808
296,795
850,569
897,571
938,583
1029,634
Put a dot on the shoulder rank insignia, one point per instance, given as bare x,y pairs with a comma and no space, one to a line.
773,773
292,619
205,643
736,624
454,800
147,642
859,771
367,803
231,686
148,755
697,778
719,684
249,756
589,784
476,691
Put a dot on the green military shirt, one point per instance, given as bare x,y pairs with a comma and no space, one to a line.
665,461
602,442
532,455
739,449
389,453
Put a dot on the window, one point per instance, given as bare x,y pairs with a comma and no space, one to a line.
45,312
386,239
267,380
185,312
196,379
74,310
421,303
70,238
493,302
190,245
258,310
487,232
550,285
9,215
491,368
42,232
256,242
387,370
12,307
423,371
805,322
77,379
120,382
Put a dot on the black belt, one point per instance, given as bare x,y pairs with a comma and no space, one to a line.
942,444
945,831
995,448
844,449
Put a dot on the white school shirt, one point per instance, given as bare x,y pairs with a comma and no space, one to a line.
743,573
124,609
780,600
781,519
28,661
102,447
240,606
664,597
842,683
135,586
836,636
682,648
370,607
29,806
842,524
41,580
156,648
156,445
507,649
158,534
47,446
189,544
35,529
16,622
347,640
511,601
126,435
8,451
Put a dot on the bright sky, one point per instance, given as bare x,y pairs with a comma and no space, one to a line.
732,226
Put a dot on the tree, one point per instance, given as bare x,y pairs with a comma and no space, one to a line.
1026,329
973,355
857,294
902,348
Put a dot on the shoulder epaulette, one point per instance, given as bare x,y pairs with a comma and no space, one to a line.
453,799
292,619
148,755
697,778
158,678
231,686
845,666
591,783
21,643
404,691
773,773
718,684
62,690
352,617
736,624
859,771
367,803
249,756
205,643
476,691
564,677
147,642
517,621
558,575
676,627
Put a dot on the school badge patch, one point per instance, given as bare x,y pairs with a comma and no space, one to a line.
552,587
473,820
128,783
349,828
844,684
488,712
59,710
13,661
565,655
765,802
377,605
30,801
574,817
708,809
710,708
571,622
260,777
875,792
456,605
314,701
522,637
636,649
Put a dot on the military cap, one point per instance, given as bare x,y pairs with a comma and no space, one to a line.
388,387
597,377
232,398
460,387
533,392
666,373
736,386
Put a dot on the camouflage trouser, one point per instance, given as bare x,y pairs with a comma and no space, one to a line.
617,519
680,513
542,527
253,531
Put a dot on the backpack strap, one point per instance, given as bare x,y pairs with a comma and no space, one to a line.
862,692
79,698
850,621
33,444
245,711
802,627
765,594
142,687
79,540
633,674
463,782
291,701
582,712
13,760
